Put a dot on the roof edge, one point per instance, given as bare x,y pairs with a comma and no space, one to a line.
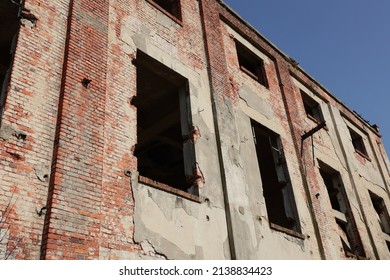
288,58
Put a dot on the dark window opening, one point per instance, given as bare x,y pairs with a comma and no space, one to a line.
358,142
170,6
251,64
163,121
312,108
275,179
345,237
333,185
9,29
347,229
381,211
388,245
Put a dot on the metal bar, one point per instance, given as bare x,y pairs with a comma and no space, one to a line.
314,130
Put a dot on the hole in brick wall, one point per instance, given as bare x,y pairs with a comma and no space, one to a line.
162,121
20,136
9,28
277,190
85,82
15,156
28,19
381,212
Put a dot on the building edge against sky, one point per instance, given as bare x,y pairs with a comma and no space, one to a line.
155,129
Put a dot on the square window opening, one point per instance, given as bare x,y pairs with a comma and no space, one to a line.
251,64
358,142
312,108
277,189
9,30
172,7
381,212
164,151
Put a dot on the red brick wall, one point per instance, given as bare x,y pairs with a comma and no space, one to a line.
79,140
31,109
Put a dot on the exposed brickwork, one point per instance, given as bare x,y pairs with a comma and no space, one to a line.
31,109
69,147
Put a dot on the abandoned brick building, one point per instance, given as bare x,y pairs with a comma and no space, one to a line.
141,129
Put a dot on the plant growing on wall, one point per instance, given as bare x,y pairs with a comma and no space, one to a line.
5,224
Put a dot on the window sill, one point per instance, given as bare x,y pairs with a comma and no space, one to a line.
169,189
363,155
172,17
287,231
253,76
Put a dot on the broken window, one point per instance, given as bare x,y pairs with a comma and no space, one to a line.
277,190
381,211
358,142
341,211
312,108
333,186
251,64
345,237
172,7
9,29
165,149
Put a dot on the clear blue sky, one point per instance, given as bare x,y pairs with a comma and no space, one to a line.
343,44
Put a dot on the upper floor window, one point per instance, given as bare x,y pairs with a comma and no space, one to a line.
381,211
165,150
358,143
277,189
346,226
172,7
312,108
251,64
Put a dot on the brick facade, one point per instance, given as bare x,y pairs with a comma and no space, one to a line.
71,187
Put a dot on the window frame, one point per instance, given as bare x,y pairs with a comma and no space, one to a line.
358,144
174,15
343,216
312,108
180,85
245,58
383,218
281,176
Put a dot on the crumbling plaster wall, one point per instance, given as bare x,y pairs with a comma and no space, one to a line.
178,228
266,107
333,147
366,175
165,225
326,148
99,211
